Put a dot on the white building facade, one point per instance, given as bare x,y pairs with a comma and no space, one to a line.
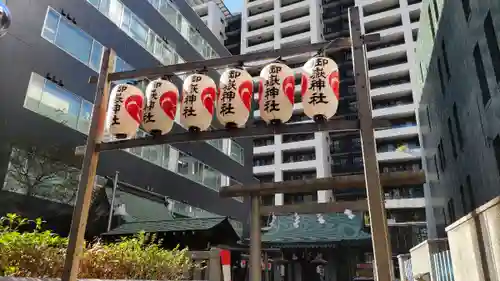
273,24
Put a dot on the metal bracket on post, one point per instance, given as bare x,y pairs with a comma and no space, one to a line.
89,167
376,207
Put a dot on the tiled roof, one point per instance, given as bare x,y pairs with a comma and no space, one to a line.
172,225
337,227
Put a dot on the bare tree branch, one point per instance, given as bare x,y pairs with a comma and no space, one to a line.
41,171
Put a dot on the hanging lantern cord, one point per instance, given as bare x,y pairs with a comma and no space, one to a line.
279,59
203,71
167,77
240,65
322,52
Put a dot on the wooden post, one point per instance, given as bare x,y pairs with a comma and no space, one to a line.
255,239
88,171
376,207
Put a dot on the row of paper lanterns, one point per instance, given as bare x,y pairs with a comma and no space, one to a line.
231,102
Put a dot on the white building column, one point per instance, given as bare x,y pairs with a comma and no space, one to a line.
323,170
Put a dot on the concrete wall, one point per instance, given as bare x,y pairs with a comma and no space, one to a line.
475,244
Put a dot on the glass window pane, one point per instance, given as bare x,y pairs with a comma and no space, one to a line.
115,11
50,27
138,30
126,20
34,92
95,59
166,156
74,41
94,3
60,105
211,178
152,153
84,117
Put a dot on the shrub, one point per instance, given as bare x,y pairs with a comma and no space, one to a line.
41,254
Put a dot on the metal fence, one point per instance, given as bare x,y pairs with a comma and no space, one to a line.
407,269
442,266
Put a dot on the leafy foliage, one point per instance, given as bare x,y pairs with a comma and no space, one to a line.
41,254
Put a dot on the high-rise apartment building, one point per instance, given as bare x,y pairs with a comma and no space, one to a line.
273,24
458,73
51,50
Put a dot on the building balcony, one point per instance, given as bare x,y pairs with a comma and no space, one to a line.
393,222
391,91
392,31
402,110
383,17
398,132
260,47
264,170
297,145
260,31
414,7
389,72
260,18
392,156
405,203
299,166
259,4
297,23
263,150
296,39
387,53
298,7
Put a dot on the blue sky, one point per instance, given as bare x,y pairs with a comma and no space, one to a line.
234,6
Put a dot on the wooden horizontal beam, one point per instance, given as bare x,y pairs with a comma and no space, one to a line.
334,125
310,185
315,208
337,44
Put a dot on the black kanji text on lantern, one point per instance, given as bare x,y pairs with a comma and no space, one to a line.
229,93
117,105
148,114
189,100
318,82
272,89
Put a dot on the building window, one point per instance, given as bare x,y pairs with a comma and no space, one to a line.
492,41
470,193
71,39
462,199
445,60
496,147
458,127
436,166
134,27
452,139
442,156
436,10
431,22
451,211
466,7
441,79
429,118
481,75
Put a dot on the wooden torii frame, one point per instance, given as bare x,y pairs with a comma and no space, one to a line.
365,126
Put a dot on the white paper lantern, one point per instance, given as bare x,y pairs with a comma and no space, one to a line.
124,111
235,98
320,88
197,102
277,96
161,107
